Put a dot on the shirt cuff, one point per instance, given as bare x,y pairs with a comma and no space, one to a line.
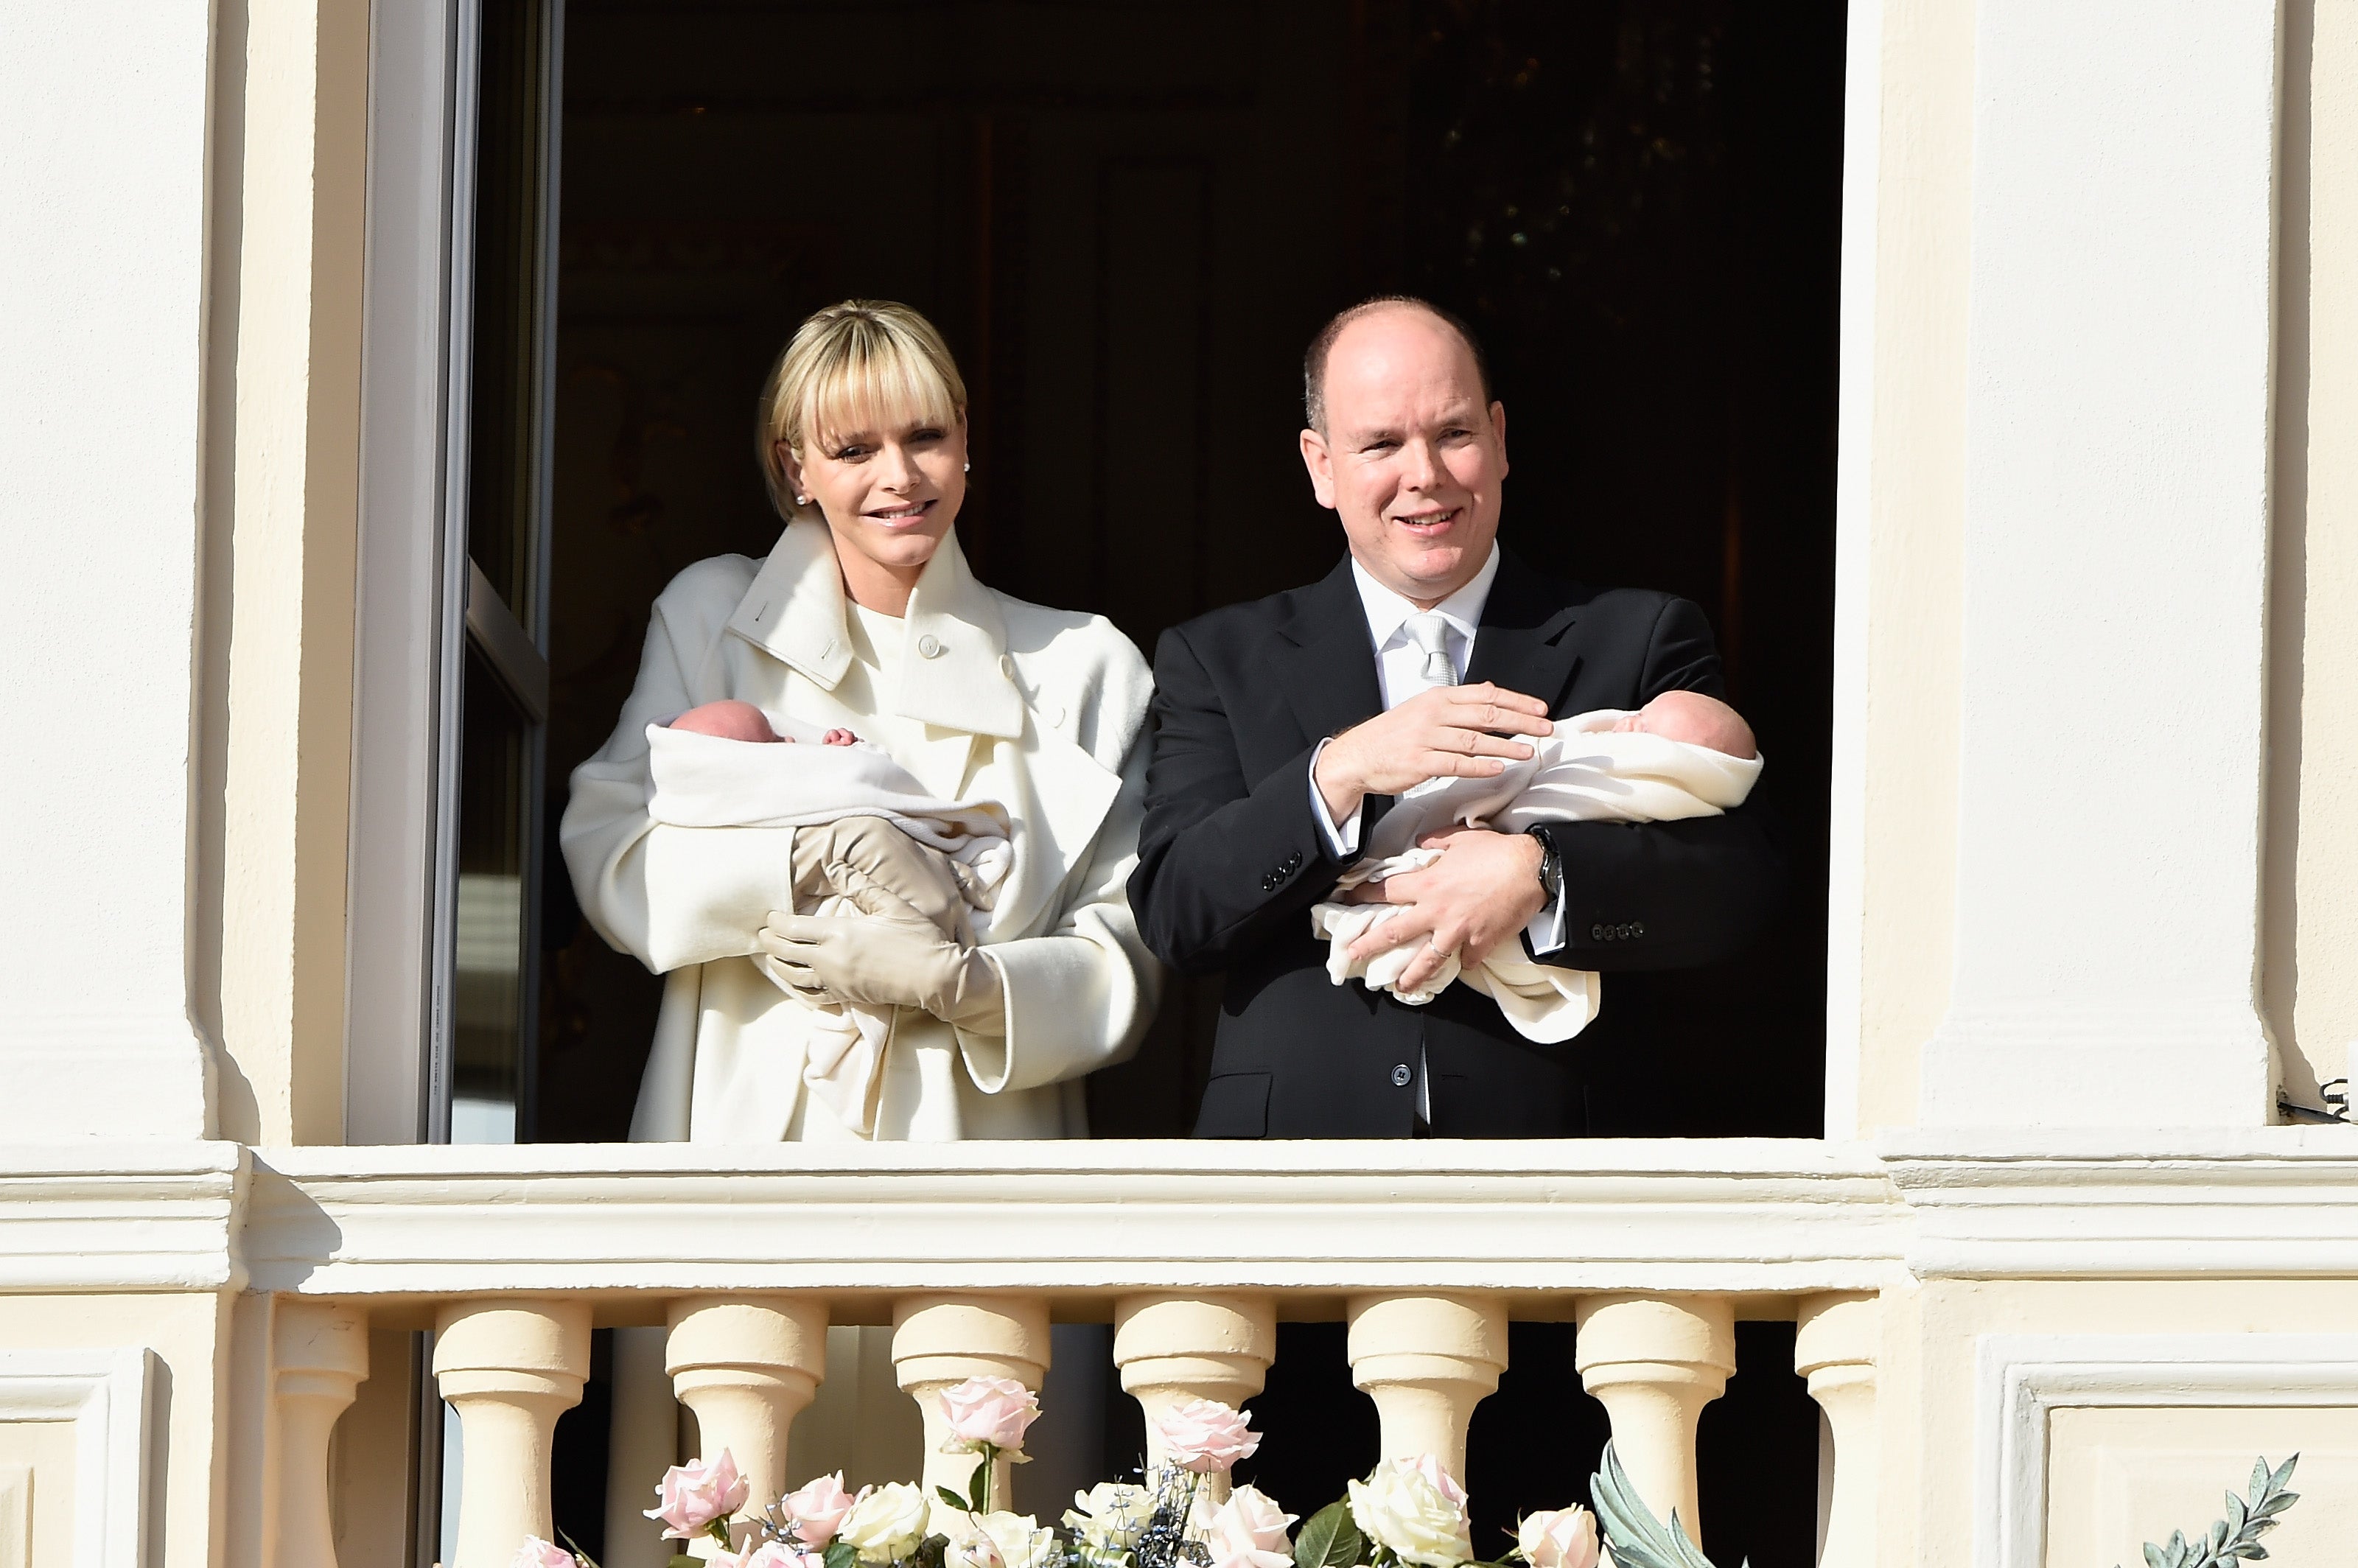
1545,933
1345,840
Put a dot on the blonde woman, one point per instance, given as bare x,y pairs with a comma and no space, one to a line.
865,617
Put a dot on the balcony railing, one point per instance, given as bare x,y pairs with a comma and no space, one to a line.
1191,1250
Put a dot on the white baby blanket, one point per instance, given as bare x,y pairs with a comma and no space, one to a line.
1585,772
701,781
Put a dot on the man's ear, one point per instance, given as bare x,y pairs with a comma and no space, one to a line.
1321,464
1498,424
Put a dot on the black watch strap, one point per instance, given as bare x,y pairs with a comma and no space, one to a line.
1551,865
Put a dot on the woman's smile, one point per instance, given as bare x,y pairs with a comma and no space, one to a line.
907,515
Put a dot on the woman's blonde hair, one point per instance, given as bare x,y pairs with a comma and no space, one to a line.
859,366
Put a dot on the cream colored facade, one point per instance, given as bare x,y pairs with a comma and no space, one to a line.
2096,878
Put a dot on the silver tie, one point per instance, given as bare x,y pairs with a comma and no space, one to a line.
1430,631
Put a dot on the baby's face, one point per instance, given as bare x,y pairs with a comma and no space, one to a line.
1694,719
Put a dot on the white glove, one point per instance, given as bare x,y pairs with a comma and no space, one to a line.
857,857
885,961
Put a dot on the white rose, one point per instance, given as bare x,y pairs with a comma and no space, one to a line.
1415,1508
886,1523
1249,1531
1021,1542
1111,1516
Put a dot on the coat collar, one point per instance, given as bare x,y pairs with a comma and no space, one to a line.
795,611
1523,646
1328,675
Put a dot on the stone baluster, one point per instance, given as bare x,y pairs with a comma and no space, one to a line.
939,1342
1835,1350
1654,1362
319,1354
510,1367
1426,1361
747,1366
1175,1349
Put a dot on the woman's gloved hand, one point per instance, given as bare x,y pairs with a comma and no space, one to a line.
885,961
860,856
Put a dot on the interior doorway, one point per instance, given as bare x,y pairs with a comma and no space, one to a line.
1129,218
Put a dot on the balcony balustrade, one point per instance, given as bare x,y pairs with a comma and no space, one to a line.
1192,1252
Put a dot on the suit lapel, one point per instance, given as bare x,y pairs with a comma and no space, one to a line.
1328,674
1523,645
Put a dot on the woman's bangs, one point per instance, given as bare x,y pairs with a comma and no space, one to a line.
874,393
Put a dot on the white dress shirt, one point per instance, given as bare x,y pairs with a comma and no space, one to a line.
1399,666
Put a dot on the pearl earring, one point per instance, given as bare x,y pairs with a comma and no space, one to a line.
965,467
801,500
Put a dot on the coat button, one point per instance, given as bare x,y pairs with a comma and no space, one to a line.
1626,932
929,646
1637,928
1400,1076
1596,933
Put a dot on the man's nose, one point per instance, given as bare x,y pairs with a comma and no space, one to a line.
1421,465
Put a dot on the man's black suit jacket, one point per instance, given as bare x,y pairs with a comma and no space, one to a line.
1232,858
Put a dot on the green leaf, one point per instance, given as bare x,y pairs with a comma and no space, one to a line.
1329,1539
1637,1538
843,1554
954,1499
685,1560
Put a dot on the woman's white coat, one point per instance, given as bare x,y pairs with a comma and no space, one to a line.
1043,710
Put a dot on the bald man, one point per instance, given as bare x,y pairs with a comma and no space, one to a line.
1286,727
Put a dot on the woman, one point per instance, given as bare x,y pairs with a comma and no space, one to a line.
865,617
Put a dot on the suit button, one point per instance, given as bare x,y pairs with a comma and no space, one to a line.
1637,928
1596,933
929,646
1626,931
1400,1076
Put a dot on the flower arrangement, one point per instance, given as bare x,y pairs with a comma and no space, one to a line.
1406,1513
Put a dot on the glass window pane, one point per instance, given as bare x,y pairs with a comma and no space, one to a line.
488,1001
512,162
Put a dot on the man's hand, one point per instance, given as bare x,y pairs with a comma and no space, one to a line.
1483,889
1450,731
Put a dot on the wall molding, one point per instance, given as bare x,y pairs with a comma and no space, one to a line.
2021,1379
108,1396
126,1214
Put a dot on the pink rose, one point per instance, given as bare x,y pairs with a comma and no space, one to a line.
692,1495
1206,1437
1249,1531
994,1411
538,1554
818,1508
1558,1538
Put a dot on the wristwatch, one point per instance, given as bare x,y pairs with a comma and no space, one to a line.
1551,868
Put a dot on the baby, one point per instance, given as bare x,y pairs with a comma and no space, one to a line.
1686,716
732,720
1682,754
837,801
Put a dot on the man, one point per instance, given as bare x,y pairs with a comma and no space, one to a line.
1286,727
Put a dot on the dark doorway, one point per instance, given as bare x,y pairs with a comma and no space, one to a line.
1129,217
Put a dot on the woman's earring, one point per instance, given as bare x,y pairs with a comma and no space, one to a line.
801,500
965,467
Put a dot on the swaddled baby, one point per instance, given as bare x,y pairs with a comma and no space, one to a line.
1682,754
838,792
